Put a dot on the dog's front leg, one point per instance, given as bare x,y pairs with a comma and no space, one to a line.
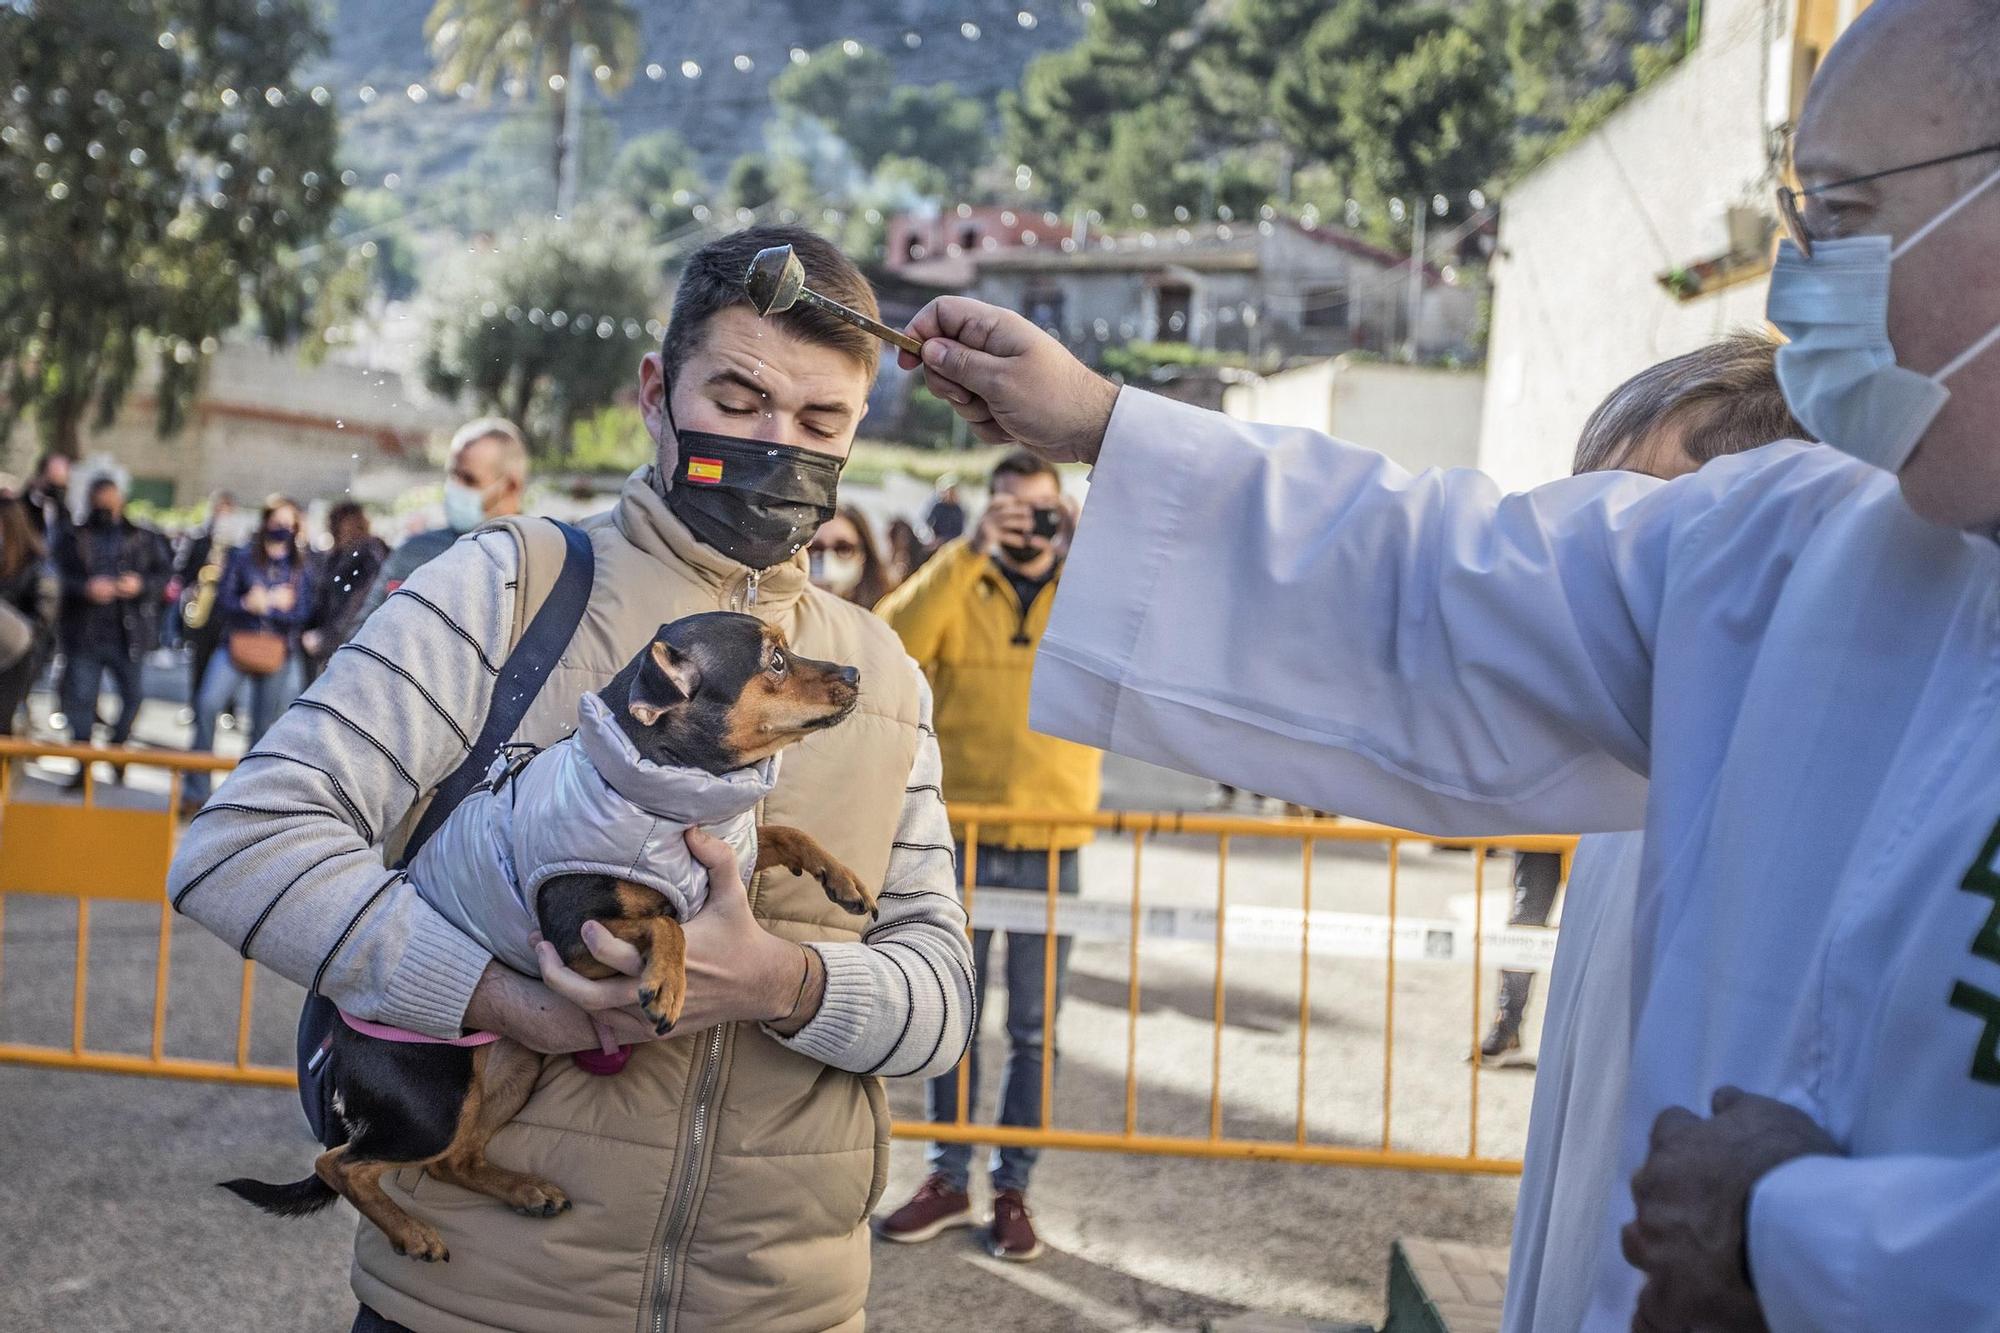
663,980
800,853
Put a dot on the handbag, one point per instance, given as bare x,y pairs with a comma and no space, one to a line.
257,652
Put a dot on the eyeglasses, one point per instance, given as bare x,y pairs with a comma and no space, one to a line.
835,548
1791,212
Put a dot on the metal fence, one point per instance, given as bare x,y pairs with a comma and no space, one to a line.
92,852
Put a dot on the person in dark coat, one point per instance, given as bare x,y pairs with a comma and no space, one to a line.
113,572
47,494
28,586
341,583
267,589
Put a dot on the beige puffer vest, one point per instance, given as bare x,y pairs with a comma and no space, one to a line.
720,1180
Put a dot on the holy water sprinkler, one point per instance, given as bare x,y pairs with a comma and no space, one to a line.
777,281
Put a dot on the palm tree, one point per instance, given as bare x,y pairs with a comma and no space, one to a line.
531,44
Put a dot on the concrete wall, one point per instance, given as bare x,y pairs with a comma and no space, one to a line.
1420,416
264,422
1582,238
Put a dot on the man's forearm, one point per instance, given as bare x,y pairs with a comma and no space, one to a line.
899,1001
283,863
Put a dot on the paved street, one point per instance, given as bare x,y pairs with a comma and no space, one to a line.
111,1220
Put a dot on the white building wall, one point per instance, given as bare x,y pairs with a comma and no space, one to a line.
1577,305
1420,416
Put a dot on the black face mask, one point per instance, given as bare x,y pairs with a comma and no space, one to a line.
101,517
758,504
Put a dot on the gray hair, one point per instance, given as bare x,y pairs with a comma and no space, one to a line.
513,445
1726,395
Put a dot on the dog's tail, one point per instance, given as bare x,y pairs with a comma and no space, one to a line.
301,1198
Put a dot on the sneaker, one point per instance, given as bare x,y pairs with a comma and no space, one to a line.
1012,1233
935,1208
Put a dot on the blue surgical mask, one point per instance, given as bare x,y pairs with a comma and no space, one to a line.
1839,371
464,507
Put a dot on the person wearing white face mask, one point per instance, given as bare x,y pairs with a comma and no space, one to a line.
845,560
486,478
1785,666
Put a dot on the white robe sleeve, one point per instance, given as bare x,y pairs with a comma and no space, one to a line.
1877,1243
1296,616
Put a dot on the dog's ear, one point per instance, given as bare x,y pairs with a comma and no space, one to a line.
666,677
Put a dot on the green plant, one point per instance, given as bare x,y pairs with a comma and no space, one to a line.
528,43
160,171
614,439
1146,360
548,330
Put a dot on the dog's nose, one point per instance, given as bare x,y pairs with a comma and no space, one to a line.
851,676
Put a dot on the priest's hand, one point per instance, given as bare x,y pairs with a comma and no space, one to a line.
1011,381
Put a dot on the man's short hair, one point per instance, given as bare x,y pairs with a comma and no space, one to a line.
99,482
1021,463
713,282
507,437
1724,396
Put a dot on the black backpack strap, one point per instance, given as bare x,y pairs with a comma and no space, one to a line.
521,677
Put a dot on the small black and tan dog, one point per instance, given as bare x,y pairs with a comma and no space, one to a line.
718,692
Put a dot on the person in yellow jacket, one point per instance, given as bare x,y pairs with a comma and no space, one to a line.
972,618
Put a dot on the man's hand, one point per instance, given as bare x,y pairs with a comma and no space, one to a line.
1693,1195
737,972
1008,521
129,585
515,1006
100,588
1013,383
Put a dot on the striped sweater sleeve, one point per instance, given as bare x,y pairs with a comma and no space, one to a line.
284,861
899,1002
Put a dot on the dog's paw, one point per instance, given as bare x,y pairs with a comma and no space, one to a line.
419,1241
847,892
538,1198
664,1008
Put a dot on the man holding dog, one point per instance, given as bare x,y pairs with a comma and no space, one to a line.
724,1177
1785,666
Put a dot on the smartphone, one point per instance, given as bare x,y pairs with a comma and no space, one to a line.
1048,521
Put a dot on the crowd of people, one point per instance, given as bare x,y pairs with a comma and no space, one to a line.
1748,649
257,604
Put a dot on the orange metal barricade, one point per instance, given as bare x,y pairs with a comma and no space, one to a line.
96,853
92,852
1298,1146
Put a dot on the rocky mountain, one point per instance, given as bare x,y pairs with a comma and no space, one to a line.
737,46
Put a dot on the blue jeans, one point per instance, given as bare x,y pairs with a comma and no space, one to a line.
1021,1084
269,697
83,674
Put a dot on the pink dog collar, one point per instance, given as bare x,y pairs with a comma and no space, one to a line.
385,1032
